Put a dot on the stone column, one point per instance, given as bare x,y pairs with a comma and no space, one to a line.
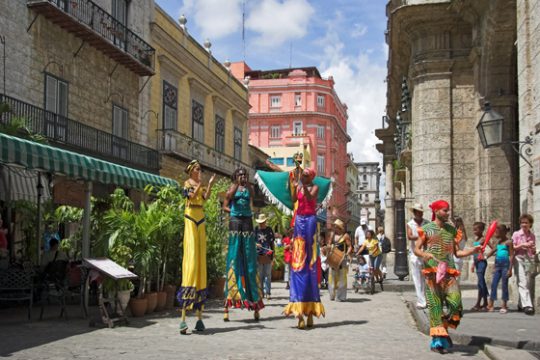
389,211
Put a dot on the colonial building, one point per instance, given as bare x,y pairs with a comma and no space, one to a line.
369,176
446,60
353,197
198,109
297,110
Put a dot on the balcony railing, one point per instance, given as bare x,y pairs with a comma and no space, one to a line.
73,135
178,144
91,23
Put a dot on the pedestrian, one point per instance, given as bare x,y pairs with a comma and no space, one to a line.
524,243
324,265
193,291
375,254
304,299
504,255
386,246
462,241
265,254
436,246
337,279
416,264
241,286
287,256
360,237
479,266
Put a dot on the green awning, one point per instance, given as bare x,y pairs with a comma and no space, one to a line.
32,155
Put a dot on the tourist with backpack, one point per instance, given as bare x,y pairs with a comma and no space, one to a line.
386,246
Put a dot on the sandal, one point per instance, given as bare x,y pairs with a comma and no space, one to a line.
503,310
490,309
475,308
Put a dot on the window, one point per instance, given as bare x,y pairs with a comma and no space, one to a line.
364,178
120,132
237,143
119,12
277,161
197,121
320,131
56,101
366,197
320,165
275,101
297,128
220,133
290,161
297,99
275,131
320,100
170,106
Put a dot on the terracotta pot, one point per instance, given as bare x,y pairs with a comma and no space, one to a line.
171,292
277,274
152,301
217,289
161,300
123,297
138,306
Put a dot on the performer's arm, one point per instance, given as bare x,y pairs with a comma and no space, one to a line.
228,197
209,188
511,254
294,192
420,245
310,194
349,244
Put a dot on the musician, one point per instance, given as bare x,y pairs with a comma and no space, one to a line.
265,251
337,279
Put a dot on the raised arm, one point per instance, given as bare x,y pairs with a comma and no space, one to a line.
209,188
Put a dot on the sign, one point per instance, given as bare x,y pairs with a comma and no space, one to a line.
109,268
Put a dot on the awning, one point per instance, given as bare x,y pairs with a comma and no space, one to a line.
32,155
21,184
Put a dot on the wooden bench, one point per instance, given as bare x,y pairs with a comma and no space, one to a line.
17,285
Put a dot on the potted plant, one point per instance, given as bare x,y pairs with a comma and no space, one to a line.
278,265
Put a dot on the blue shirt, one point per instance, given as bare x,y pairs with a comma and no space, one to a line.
265,237
240,204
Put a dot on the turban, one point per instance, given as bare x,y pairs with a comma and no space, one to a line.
438,205
191,165
310,172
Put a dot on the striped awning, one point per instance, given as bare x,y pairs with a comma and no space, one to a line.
21,184
32,155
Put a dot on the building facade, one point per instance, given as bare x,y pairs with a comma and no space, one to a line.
369,181
198,109
353,197
297,110
446,60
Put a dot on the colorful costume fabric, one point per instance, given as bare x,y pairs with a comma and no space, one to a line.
304,288
193,292
337,279
242,286
440,243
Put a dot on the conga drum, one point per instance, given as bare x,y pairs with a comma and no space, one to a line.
335,257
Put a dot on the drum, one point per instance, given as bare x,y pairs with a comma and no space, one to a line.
335,257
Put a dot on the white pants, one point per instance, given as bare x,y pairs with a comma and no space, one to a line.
522,270
337,284
416,265
383,263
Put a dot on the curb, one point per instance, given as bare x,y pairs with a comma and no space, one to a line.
482,342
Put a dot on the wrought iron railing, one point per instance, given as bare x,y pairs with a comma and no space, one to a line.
174,142
103,23
78,136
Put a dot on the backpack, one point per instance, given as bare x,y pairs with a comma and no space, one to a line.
386,245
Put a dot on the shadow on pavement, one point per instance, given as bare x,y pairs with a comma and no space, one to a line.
340,323
464,350
357,300
214,331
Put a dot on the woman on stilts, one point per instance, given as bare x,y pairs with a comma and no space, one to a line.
304,297
193,292
437,245
242,288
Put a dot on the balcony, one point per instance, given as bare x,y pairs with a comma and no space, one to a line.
81,138
171,142
95,26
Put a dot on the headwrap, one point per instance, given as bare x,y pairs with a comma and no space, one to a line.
191,165
436,206
310,172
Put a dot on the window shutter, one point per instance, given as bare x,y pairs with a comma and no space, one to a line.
51,85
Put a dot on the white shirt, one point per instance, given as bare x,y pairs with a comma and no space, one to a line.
361,235
413,225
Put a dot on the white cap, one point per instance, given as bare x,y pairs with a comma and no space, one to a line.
363,221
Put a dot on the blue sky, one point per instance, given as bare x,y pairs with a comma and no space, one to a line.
343,38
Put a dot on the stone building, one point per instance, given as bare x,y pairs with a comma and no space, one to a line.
446,60
198,109
353,197
298,110
369,181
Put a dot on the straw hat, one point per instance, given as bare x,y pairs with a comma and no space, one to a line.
340,224
261,218
417,207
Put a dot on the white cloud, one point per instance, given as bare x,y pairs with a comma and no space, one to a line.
359,82
359,30
279,21
215,18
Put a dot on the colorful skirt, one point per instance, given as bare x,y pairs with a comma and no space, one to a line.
193,292
242,288
304,288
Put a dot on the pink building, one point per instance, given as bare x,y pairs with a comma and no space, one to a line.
297,109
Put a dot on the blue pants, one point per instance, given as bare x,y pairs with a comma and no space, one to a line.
501,272
265,276
480,267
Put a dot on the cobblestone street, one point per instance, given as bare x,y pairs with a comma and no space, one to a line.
369,326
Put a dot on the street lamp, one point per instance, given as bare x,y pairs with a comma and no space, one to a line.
490,131
401,266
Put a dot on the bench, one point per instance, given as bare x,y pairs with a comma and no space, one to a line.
17,285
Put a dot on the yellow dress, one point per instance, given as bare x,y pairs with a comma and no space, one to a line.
193,292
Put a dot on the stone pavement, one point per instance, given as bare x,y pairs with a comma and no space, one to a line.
375,326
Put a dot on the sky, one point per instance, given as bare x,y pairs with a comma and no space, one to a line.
342,38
